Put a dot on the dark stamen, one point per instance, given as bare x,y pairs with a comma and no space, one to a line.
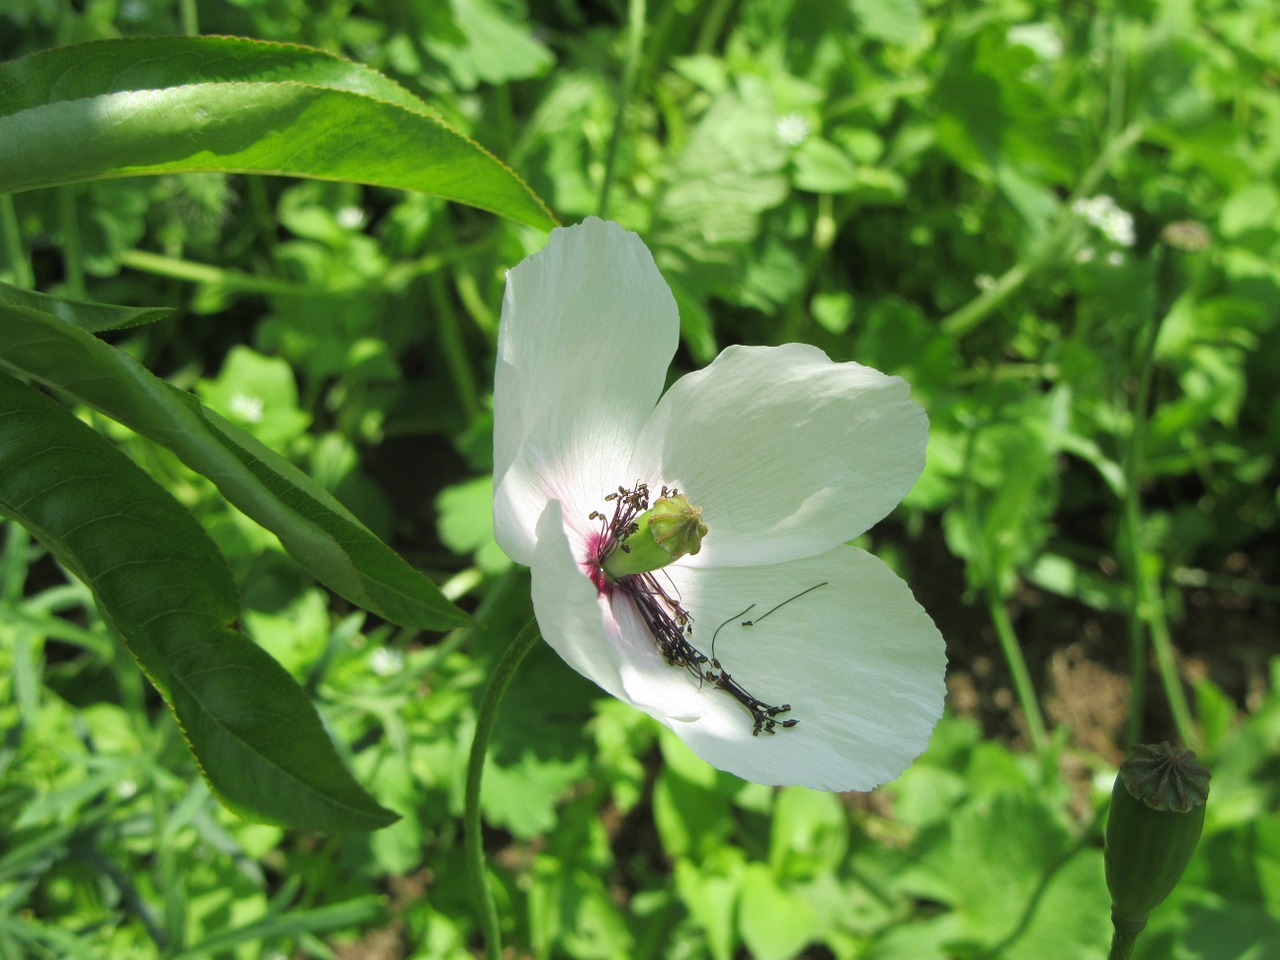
668,622
752,623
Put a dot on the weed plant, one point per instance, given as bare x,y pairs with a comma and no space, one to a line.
1060,223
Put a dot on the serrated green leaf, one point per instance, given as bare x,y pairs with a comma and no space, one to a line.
124,107
166,591
316,530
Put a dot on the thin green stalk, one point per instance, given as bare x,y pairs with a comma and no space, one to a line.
455,352
11,238
999,613
190,18
193,272
635,40
1147,608
876,94
474,848
712,24
973,313
1116,81
464,284
72,257
1012,650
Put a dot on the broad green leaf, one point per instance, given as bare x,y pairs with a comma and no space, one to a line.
117,108
316,530
809,834
775,923
94,317
822,167
164,588
711,894
893,21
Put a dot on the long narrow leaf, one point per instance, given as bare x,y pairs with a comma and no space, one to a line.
142,106
94,317
316,530
291,924
167,592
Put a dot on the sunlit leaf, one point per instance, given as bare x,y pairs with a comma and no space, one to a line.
123,107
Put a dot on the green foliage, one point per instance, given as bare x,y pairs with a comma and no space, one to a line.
316,529
166,591
1025,209
118,108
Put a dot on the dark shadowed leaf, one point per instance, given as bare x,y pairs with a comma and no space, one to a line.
316,530
165,589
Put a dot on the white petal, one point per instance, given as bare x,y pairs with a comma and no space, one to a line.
602,638
573,619
588,330
858,660
787,453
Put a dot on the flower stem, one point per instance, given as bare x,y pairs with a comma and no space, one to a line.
1147,603
449,334
189,18
712,25
997,609
72,258
636,15
11,238
1123,940
474,848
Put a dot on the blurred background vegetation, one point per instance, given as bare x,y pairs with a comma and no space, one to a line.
1060,222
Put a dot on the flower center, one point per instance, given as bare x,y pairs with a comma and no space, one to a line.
638,540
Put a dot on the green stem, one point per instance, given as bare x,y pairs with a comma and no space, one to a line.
999,612
474,849
712,24
973,313
11,238
455,353
1116,81
194,272
1147,609
1123,940
876,94
635,40
189,18
1022,685
986,303
72,258
468,291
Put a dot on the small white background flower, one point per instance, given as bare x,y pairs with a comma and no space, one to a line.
788,454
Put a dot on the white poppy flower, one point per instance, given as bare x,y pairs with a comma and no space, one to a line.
773,649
